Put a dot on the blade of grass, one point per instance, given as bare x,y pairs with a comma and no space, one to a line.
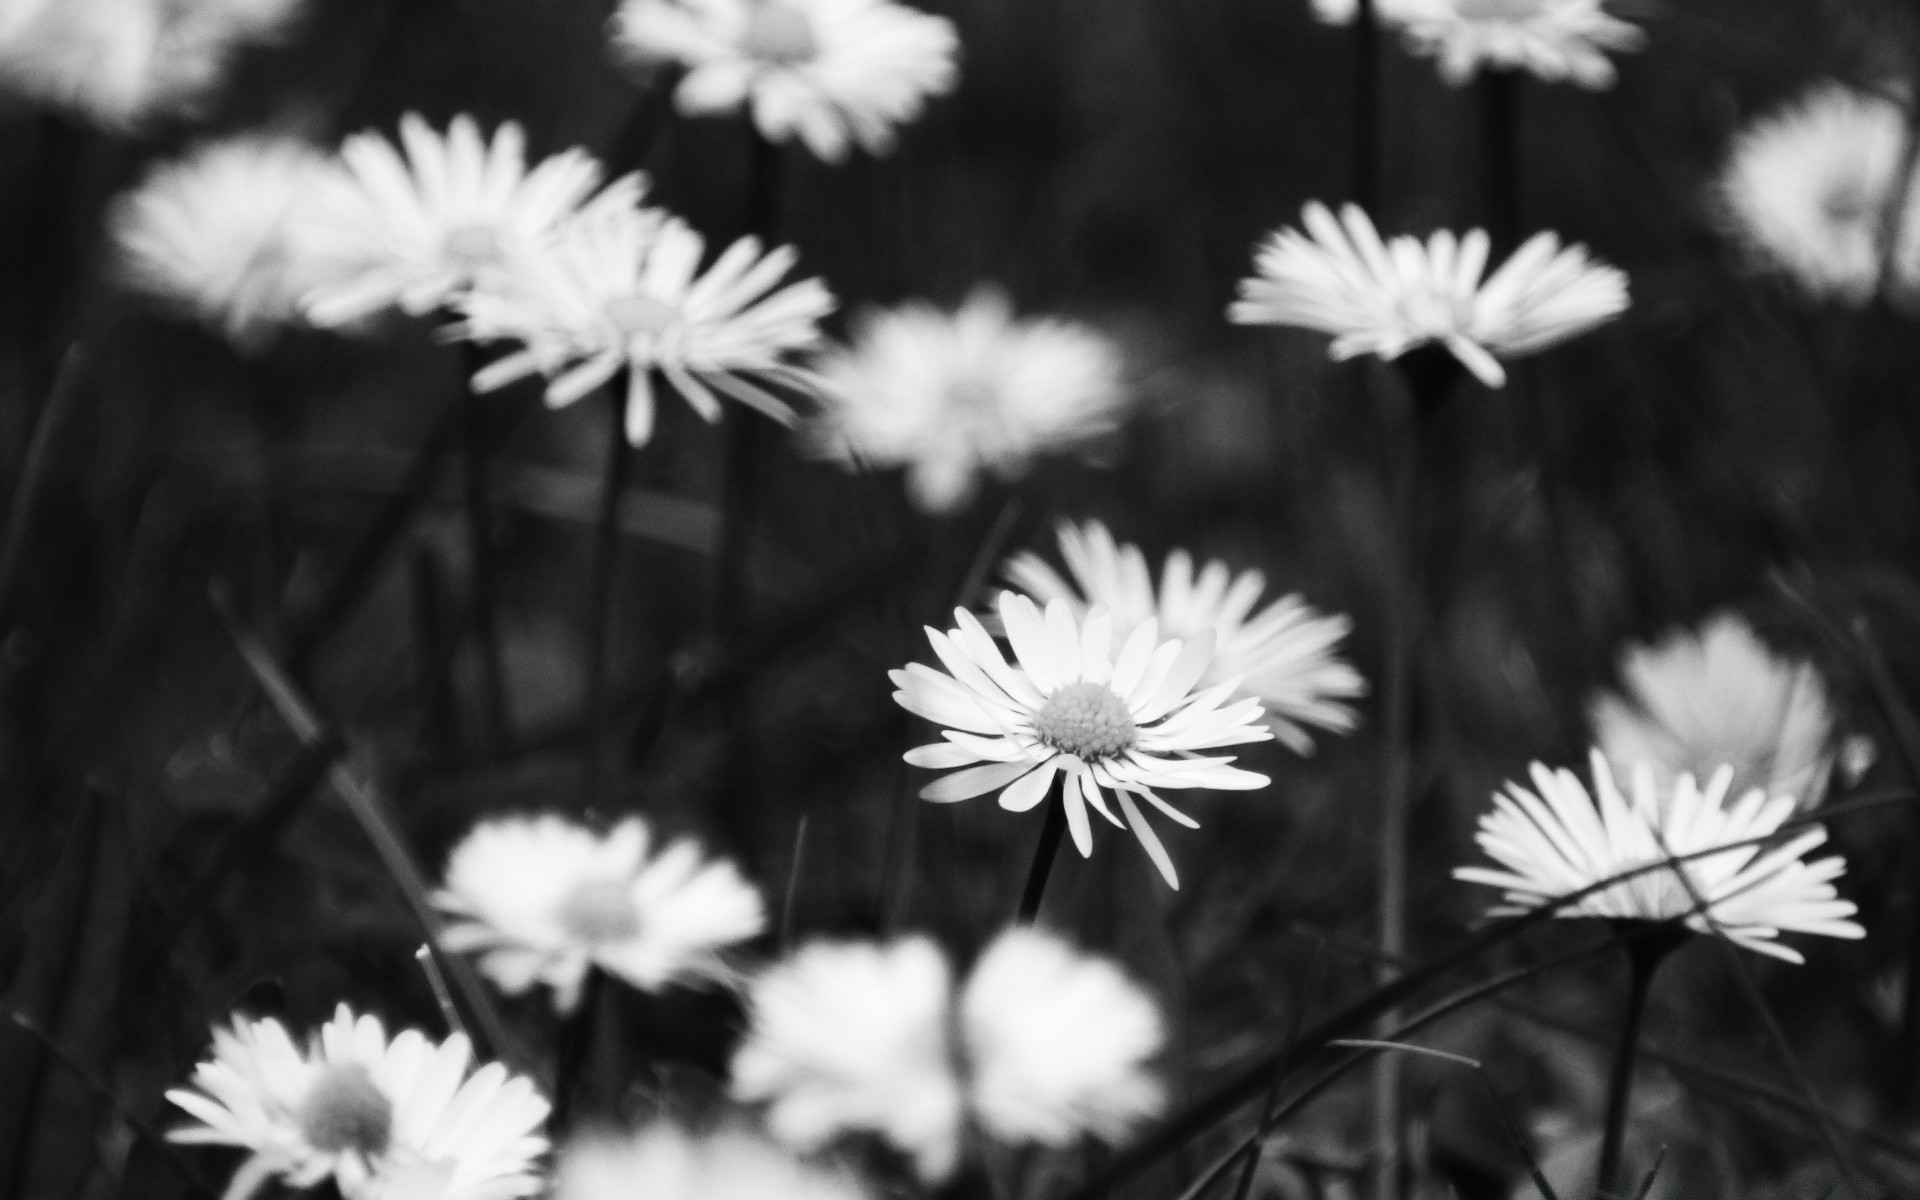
36,471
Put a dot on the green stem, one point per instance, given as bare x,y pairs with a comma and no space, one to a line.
1044,851
606,553
1644,957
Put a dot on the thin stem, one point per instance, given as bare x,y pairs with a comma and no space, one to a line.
37,471
1044,852
1644,958
789,903
1366,105
484,579
576,1039
606,553
1500,151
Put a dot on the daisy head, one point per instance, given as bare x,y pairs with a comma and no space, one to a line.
1344,12
1716,696
1125,723
953,396
1560,41
665,1161
620,290
543,900
378,1116
417,225
1041,1044
1806,192
1557,840
1386,298
834,73
1285,653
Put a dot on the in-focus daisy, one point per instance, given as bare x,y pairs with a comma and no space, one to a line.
1387,298
664,1161
543,900
1127,722
208,234
1698,700
1042,1044
1556,40
950,396
418,224
834,73
1558,839
620,289
383,1118
1284,653
1806,191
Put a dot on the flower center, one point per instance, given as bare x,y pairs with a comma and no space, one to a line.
779,34
1497,10
345,1110
600,911
1847,203
1087,721
639,316
471,247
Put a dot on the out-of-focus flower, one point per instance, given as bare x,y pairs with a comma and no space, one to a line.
951,395
208,234
664,1161
620,289
400,1118
118,62
1557,840
543,900
1387,298
1127,723
1284,654
833,73
1344,12
1042,1044
1697,701
419,224
1556,40
1806,191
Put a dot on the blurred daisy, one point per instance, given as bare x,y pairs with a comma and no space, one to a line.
1718,696
1806,191
1558,840
543,900
419,224
621,290
1285,653
383,1118
1387,298
950,396
831,72
1343,12
1041,1045
1556,40
1125,723
664,1161
208,234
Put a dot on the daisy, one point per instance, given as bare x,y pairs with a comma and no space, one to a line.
1806,191
418,225
382,1118
544,900
1387,298
1556,40
1284,653
1718,696
1558,840
1042,1044
620,290
1344,12
664,1161
831,72
950,396
1069,706
208,234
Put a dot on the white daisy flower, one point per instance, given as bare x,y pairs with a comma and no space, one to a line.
1125,723
419,224
1556,40
383,1118
833,73
950,396
208,234
543,900
1344,12
1718,696
664,1161
1806,191
1285,653
1558,840
1387,298
1042,1044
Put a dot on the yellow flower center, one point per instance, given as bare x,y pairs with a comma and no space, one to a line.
471,247
600,911
1847,203
779,34
346,1111
637,316
1086,720
1497,10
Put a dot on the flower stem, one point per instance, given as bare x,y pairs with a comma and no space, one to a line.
1644,956
475,437
1044,852
1500,153
606,553
1366,105
576,1040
